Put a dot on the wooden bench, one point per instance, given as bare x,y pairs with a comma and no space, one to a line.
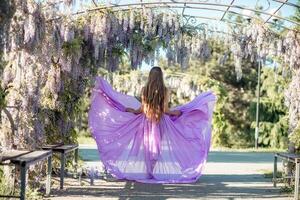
293,158
22,160
63,150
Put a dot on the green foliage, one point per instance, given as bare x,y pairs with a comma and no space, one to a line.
231,127
7,9
4,189
73,47
295,135
65,111
3,94
119,50
3,91
234,116
62,112
273,129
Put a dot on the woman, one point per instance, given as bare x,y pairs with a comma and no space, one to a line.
155,97
148,142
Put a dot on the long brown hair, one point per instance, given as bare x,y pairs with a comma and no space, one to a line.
153,95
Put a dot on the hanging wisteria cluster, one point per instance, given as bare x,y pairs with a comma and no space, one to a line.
291,45
183,86
139,34
249,43
256,42
44,86
292,101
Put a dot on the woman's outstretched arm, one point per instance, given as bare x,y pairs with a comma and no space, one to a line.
134,111
173,112
166,106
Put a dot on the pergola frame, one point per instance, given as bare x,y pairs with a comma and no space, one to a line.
193,4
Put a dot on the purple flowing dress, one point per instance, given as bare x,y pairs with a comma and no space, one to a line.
131,147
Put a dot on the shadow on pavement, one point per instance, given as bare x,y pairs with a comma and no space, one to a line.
208,187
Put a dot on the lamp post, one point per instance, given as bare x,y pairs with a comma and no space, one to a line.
257,103
248,16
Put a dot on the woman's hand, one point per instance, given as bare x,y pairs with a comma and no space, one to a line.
129,110
173,112
177,113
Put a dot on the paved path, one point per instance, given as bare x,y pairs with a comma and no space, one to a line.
227,175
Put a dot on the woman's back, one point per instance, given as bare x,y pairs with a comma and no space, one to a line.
154,95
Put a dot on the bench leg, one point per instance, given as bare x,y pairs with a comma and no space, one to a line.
92,173
76,162
48,183
297,180
62,170
23,182
275,171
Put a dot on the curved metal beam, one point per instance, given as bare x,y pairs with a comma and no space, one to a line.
288,3
236,23
215,19
183,7
158,4
279,1
226,10
282,4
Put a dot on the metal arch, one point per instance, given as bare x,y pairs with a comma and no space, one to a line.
214,19
162,3
194,5
282,4
287,3
183,7
231,3
187,1
204,2
94,2
236,23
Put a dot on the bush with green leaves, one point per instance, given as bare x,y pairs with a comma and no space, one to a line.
273,128
3,94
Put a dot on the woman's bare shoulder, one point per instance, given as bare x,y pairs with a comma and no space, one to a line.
168,90
142,93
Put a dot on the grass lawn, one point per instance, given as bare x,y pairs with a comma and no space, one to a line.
85,140
260,149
